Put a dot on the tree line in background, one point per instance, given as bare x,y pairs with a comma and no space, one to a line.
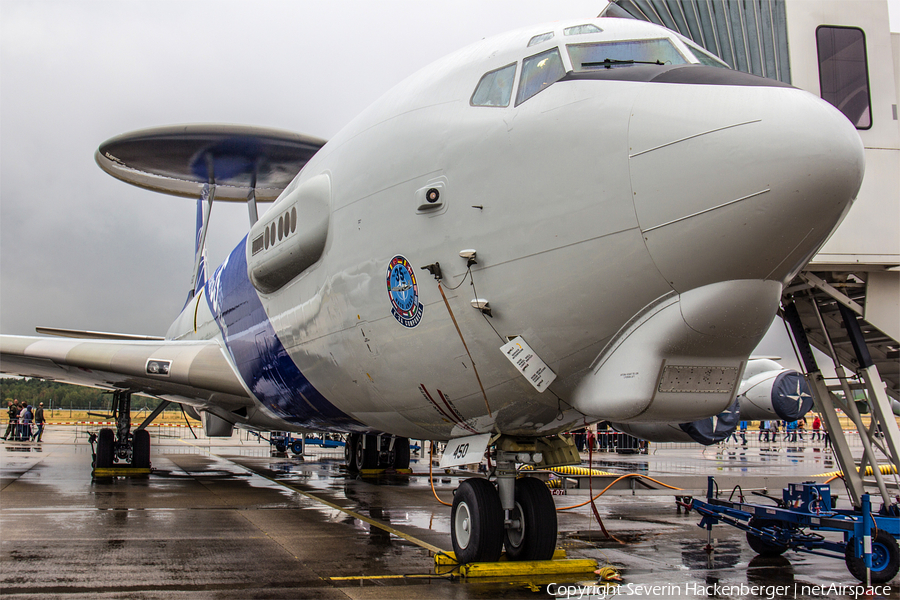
63,395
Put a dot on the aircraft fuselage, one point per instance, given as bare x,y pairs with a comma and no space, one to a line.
586,202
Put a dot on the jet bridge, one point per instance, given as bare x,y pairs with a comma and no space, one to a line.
846,302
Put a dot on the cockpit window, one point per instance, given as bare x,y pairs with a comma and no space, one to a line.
705,58
495,87
539,72
540,38
610,55
582,29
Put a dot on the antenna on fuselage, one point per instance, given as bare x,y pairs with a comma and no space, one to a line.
198,280
251,195
208,194
198,277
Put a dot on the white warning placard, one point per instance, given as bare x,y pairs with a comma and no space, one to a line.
528,363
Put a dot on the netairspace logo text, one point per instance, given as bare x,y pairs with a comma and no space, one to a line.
693,588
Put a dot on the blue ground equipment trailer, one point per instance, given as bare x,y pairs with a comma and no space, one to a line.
869,546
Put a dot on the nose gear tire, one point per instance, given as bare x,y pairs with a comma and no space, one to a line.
535,538
476,522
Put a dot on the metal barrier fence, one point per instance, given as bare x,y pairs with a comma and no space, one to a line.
83,429
614,441
604,441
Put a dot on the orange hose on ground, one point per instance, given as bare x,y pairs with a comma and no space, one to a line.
430,476
671,487
591,494
618,479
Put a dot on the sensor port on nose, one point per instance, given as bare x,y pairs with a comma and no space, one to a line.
432,197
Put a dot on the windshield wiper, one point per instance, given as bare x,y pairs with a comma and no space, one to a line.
609,63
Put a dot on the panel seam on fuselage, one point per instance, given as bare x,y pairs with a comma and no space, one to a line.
706,210
555,248
690,137
392,186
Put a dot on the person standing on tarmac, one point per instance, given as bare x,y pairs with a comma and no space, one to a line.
817,424
17,430
39,422
25,422
13,413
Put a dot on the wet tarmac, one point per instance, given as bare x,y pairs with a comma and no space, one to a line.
227,519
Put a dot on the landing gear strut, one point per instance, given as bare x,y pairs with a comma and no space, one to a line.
121,445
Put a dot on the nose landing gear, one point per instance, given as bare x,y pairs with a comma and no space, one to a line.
476,522
518,513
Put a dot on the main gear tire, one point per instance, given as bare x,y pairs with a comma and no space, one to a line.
401,453
105,452
140,449
367,452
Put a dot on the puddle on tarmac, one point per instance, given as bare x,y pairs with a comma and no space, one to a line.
601,540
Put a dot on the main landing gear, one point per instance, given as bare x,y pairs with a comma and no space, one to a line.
516,513
364,452
123,445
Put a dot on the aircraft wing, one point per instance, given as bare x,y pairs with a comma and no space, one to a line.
195,372
94,335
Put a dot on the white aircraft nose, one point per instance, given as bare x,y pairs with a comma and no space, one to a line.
747,184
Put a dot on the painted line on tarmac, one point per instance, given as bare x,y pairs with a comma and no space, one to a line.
364,577
347,511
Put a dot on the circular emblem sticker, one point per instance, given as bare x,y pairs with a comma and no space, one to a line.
403,292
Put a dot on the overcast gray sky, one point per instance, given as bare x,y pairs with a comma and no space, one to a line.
79,249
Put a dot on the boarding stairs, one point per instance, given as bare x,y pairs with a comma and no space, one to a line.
827,310
819,297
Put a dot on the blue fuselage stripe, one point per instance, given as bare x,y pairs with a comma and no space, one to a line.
261,359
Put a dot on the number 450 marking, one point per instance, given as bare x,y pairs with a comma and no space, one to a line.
460,451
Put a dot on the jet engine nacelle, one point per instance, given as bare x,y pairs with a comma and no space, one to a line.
707,431
769,391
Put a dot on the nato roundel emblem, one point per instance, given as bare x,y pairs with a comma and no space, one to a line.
403,292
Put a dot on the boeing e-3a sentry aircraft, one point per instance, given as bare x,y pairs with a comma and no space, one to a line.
569,223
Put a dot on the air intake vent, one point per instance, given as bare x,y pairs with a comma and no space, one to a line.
291,236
